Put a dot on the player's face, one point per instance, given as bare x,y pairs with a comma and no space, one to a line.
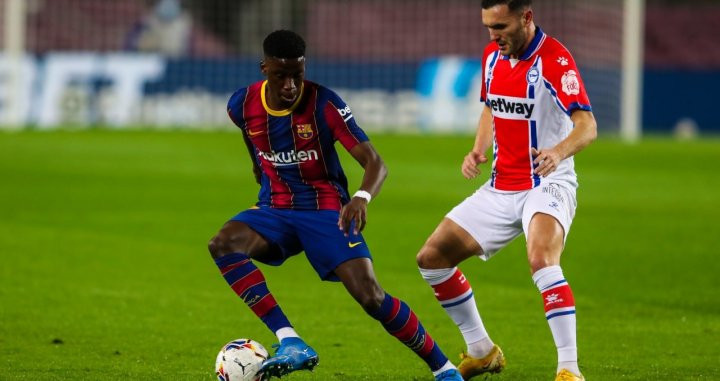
509,29
284,79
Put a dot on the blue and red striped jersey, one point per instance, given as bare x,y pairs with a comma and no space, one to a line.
295,148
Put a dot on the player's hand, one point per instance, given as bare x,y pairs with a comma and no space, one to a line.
470,164
354,211
547,161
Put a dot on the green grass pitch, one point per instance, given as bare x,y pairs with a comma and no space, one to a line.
105,273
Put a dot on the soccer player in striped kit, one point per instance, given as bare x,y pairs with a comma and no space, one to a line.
290,126
536,117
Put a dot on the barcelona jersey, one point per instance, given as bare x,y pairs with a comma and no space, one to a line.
531,99
295,148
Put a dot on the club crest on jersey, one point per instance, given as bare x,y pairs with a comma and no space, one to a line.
304,130
532,75
570,83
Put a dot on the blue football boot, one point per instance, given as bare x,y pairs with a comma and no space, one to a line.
449,375
290,355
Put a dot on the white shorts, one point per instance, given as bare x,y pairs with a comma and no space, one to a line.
494,218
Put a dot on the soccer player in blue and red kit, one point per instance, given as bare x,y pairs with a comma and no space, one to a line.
290,126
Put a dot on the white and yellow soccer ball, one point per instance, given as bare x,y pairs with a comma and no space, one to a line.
240,360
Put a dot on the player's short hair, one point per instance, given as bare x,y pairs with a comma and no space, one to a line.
513,5
284,44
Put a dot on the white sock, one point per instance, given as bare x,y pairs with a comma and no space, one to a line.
454,293
448,365
286,332
560,314
480,349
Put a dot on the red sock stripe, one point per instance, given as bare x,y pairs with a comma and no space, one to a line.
429,344
409,329
262,307
558,297
394,311
225,270
453,287
242,284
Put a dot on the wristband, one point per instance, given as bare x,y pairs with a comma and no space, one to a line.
363,194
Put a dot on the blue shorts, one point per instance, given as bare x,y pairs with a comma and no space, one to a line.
314,231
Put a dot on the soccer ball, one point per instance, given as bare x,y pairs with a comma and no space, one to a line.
240,360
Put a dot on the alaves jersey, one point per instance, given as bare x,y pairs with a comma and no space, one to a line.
295,148
531,99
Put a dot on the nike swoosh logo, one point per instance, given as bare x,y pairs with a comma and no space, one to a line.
253,133
353,244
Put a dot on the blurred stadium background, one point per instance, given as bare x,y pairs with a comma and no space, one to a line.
401,64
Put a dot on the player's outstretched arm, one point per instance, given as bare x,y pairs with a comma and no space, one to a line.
375,173
583,133
483,139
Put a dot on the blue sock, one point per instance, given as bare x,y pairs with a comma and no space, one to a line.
249,284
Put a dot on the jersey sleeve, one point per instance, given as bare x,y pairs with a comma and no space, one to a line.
342,123
235,107
562,78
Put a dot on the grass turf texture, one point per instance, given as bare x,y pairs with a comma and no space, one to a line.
105,273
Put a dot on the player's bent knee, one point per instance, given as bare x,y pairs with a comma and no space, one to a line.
430,258
543,254
222,245
539,261
215,247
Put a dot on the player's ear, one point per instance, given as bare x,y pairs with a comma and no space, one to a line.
527,16
263,67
